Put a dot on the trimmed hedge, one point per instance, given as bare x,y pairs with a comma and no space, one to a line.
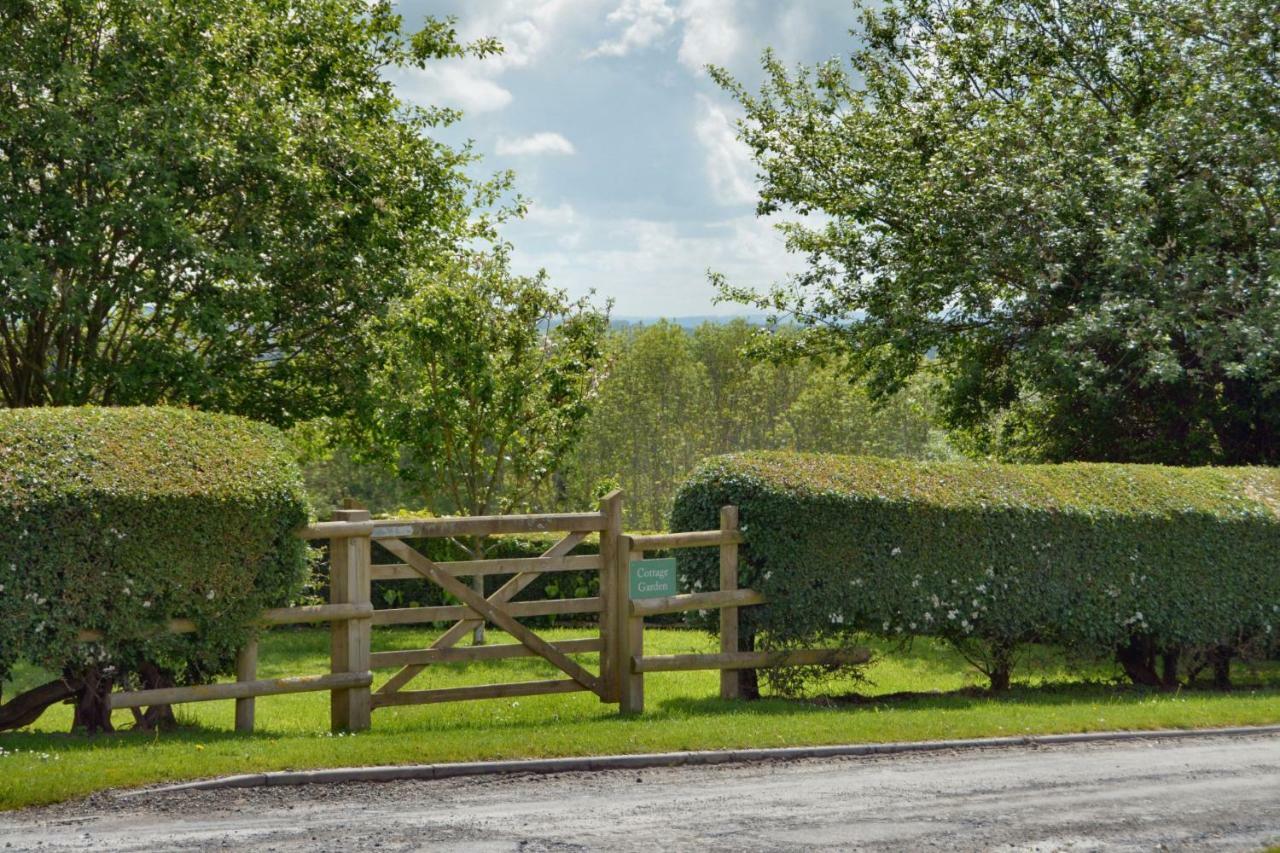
1092,557
122,519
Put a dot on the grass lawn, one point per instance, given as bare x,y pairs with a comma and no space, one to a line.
44,764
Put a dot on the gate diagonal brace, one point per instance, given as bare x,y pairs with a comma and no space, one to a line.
505,593
493,613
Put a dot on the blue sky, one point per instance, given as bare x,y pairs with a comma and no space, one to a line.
619,139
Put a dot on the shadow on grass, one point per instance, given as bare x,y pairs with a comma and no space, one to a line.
1047,696
1037,695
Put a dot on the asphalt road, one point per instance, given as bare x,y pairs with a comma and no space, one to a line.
1192,794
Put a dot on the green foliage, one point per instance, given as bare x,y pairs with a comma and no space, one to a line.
649,425
673,398
482,383
119,520
1087,556
1072,204
199,201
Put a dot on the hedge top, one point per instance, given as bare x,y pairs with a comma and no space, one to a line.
1089,489
140,452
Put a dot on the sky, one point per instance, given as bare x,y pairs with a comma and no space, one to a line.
621,143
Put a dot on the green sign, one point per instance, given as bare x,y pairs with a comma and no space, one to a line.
653,578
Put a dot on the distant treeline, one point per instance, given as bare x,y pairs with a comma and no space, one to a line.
672,397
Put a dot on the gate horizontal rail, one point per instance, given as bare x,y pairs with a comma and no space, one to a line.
476,525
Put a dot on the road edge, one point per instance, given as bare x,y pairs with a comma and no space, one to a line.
700,758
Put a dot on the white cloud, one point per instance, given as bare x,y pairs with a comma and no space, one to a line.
525,28
538,143
643,22
729,166
558,216
654,267
795,29
450,85
711,33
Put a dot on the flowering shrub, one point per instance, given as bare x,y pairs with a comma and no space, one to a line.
1092,557
119,520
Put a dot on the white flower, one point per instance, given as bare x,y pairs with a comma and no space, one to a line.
209,595
895,552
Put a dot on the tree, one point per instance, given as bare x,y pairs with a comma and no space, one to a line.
748,395
650,425
482,384
1072,204
200,200
833,415
674,397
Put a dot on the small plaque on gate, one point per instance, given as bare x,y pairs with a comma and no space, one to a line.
395,531
654,578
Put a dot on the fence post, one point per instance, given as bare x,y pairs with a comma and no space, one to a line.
246,670
730,680
611,618
349,558
630,635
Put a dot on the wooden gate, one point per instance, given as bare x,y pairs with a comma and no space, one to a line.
352,537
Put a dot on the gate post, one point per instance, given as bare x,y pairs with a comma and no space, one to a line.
730,680
349,559
611,619
630,636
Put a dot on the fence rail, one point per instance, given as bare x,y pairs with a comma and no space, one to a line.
620,644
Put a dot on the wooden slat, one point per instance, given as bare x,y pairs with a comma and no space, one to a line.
480,691
750,660
240,689
507,566
478,525
174,626
450,612
463,654
493,613
505,593
696,601
316,613
275,616
692,539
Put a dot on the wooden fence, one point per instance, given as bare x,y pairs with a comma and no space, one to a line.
352,536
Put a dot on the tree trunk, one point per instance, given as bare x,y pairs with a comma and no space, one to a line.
93,708
1139,663
1221,659
1001,673
156,716
25,708
749,679
1169,669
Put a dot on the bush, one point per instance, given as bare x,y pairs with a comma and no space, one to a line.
1145,561
119,520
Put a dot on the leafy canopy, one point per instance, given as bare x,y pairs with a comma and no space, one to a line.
1072,204
200,200
482,384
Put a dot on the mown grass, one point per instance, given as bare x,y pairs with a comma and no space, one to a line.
44,764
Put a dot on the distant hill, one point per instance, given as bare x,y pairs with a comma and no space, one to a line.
691,321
